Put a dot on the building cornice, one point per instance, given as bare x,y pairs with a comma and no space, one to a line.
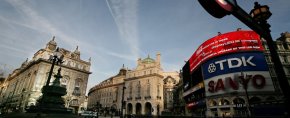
105,86
22,69
143,76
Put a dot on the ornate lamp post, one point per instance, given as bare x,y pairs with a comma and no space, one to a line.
98,105
257,21
51,100
56,58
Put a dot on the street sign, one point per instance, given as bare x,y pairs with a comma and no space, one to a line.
213,7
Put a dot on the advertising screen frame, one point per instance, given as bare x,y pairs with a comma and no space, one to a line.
232,42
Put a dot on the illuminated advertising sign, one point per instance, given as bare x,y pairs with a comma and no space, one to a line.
193,89
224,74
231,42
196,103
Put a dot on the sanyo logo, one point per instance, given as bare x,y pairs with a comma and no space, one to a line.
231,63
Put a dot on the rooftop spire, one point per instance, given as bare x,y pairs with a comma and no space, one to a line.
90,59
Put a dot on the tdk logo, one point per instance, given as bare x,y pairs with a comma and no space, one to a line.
231,63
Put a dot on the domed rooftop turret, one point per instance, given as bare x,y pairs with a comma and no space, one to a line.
148,60
122,70
51,45
52,42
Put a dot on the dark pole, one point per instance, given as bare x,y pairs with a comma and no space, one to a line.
244,81
51,70
263,29
98,108
122,104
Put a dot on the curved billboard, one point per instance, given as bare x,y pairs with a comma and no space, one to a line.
224,64
231,42
229,74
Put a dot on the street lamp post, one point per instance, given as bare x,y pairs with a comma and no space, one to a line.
244,80
257,21
98,108
123,102
56,58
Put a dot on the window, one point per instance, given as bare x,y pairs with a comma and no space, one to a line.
280,47
77,91
74,102
130,89
77,83
139,89
63,82
158,89
148,88
288,70
285,59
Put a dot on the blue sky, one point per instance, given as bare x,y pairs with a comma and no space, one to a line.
116,32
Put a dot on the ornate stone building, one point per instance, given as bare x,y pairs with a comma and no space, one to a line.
283,48
24,84
108,93
149,90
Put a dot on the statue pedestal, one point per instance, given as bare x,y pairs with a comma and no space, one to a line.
51,100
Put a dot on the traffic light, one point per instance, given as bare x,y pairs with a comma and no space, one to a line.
218,8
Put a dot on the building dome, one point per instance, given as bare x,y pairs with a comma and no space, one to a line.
52,42
51,45
148,60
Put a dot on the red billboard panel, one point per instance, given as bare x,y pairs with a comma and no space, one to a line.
232,42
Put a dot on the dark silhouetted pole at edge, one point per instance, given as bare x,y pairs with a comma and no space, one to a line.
257,21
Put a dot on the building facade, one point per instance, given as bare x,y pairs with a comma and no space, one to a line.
148,90
227,105
107,94
23,85
240,101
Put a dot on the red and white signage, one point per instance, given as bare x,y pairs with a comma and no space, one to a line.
231,42
256,81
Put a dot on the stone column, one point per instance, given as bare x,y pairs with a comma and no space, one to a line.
143,107
133,108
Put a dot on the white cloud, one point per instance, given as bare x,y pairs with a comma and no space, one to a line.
124,13
37,22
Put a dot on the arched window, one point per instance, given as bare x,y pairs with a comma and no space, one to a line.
64,82
74,102
224,102
212,103
77,88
